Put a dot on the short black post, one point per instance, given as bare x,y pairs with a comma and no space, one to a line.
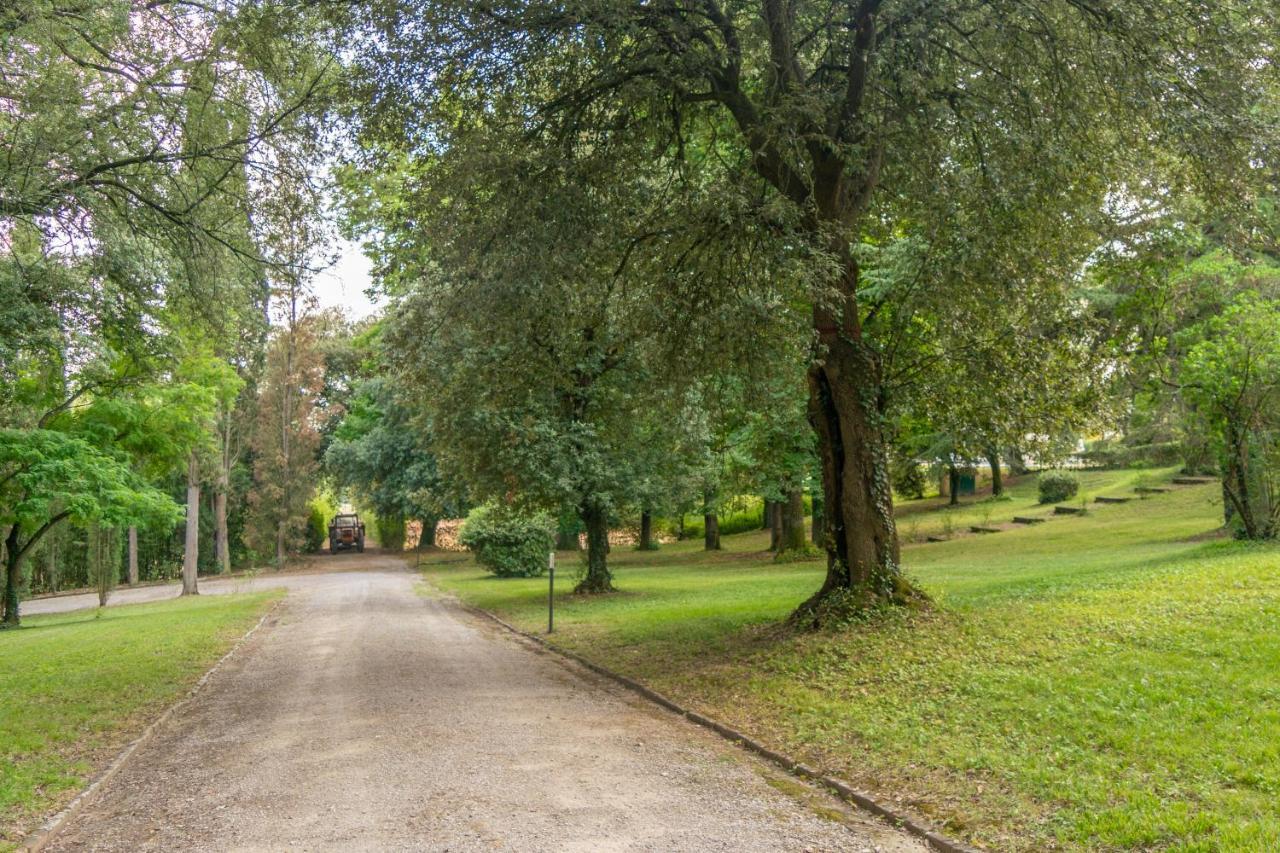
551,593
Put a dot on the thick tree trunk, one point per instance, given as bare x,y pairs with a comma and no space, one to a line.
710,531
597,578
646,531
191,549
953,484
791,536
12,576
819,523
997,480
845,405
133,556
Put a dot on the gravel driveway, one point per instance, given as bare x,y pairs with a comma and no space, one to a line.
367,716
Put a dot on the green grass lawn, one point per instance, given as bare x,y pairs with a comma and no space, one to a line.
1103,682
75,687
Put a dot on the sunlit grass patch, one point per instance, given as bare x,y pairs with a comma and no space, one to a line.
76,686
1108,681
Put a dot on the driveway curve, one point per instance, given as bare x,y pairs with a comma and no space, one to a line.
367,716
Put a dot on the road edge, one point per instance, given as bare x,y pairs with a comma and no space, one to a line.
48,830
892,815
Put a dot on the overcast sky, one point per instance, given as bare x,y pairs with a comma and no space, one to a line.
344,284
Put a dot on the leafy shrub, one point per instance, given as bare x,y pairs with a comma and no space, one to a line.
317,526
743,514
1105,454
1057,486
907,476
320,509
730,523
389,532
507,541
800,555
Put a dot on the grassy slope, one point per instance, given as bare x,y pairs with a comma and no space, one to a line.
1104,682
75,687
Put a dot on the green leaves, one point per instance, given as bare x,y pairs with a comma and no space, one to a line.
1233,368
46,473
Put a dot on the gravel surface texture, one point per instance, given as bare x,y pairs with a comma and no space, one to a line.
369,716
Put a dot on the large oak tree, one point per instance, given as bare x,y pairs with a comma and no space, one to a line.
851,116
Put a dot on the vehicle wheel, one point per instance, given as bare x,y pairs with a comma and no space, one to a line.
360,546
333,546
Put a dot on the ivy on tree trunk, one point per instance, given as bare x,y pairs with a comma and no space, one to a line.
597,578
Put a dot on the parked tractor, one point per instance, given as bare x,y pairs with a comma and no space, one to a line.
346,531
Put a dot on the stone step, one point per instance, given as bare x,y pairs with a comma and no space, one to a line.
1102,499
978,528
1194,481
935,539
1152,490
1027,519
1068,510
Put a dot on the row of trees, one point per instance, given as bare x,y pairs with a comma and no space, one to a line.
158,169
641,260
626,242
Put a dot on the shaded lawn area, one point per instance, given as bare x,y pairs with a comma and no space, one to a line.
76,687
1110,681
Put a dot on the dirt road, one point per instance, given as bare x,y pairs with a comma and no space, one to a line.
372,717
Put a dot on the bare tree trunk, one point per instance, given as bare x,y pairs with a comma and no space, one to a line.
286,423
791,536
819,523
711,532
598,578
997,481
646,531
222,539
280,537
775,525
12,576
191,551
953,484
1238,474
133,555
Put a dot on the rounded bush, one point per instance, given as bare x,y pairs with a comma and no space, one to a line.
1057,486
509,542
907,476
